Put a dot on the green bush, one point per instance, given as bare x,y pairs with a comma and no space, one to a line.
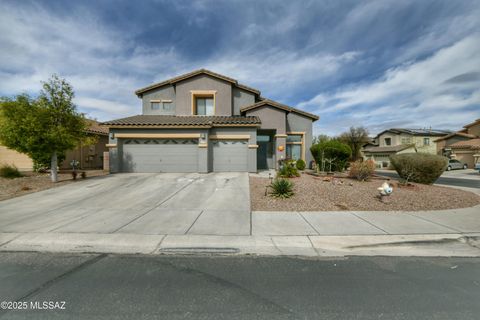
288,170
419,167
333,150
362,170
10,172
281,188
300,164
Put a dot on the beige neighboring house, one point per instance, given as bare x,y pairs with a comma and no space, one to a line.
89,157
398,140
463,145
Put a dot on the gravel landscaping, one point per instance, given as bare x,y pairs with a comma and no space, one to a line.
344,194
34,182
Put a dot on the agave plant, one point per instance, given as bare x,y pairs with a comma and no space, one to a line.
281,188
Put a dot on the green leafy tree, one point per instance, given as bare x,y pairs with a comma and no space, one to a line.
44,127
321,138
355,138
333,152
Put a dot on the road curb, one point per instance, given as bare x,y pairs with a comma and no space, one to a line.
445,245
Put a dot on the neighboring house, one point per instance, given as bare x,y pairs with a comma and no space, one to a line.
89,157
203,122
399,140
12,157
463,145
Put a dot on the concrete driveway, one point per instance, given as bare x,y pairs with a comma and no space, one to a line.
165,203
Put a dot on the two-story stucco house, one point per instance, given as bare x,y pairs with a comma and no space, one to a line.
398,140
463,145
206,122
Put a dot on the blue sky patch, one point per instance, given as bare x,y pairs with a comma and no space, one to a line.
379,64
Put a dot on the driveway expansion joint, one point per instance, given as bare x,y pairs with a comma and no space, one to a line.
156,205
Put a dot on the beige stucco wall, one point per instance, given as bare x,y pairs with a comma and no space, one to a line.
475,129
12,157
431,148
223,96
465,157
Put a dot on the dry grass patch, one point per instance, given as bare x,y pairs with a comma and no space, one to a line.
314,194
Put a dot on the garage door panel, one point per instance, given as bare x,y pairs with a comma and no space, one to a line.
229,155
160,155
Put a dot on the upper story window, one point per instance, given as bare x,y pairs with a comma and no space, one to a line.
203,102
167,105
204,106
426,141
164,105
388,141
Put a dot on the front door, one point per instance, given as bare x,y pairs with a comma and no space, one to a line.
264,152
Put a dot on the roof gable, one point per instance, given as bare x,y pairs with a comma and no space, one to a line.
192,74
276,105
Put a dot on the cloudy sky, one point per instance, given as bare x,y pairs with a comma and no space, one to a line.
379,64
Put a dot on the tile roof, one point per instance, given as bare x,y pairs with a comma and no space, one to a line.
472,124
96,128
182,121
193,74
278,106
417,132
467,144
453,134
388,148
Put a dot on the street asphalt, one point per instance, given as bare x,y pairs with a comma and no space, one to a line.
449,180
203,287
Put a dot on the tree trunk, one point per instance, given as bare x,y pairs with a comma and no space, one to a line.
53,167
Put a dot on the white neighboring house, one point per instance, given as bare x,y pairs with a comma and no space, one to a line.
398,140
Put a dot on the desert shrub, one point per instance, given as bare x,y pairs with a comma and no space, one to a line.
281,188
9,172
300,164
419,167
288,170
333,150
83,174
362,170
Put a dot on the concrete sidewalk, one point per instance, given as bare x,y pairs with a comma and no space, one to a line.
338,223
312,234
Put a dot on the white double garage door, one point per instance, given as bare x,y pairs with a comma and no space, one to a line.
183,155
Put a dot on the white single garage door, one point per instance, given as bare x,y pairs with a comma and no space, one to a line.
160,155
229,155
